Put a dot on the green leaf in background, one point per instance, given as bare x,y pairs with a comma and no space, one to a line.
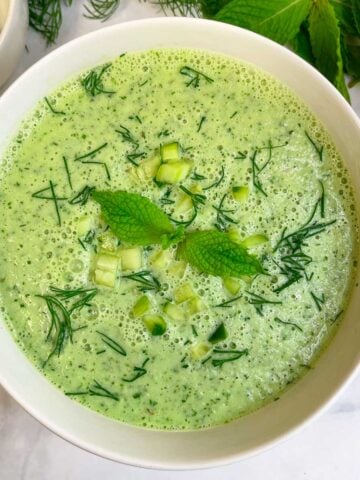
135,219
351,55
214,253
325,43
356,13
344,13
301,44
279,20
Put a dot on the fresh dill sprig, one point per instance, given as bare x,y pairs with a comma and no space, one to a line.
85,294
68,175
45,17
98,390
113,344
93,82
292,324
258,301
202,120
57,112
82,159
227,303
82,197
132,157
126,135
138,372
218,181
41,194
92,153
145,279
100,9
183,8
318,149
194,77
256,168
197,176
319,301
222,215
231,356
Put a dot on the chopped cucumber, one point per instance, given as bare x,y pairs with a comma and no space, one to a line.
141,306
240,194
169,152
199,350
150,167
254,240
174,312
131,258
107,262
108,241
219,334
173,172
107,279
183,293
177,268
185,202
195,305
160,260
85,224
232,285
155,324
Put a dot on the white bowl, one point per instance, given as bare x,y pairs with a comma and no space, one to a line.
13,28
263,428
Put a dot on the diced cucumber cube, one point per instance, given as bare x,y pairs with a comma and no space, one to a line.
160,260
219,334
195,305
175,312
183,293
170,151
107,279
85,224
150,167
108,241
254,240
232,285
199,350
107,262
184,204
173,172
240,194
141,306
131,258
234,236
177,268
155,324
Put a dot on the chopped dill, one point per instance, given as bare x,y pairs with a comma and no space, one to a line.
67,172
164,133
222,215
197,199
318,149
93,82
45,17
57,112
240,155
218,181
91,153
138,372
202,120
194,77
231,356
82,159
258,301
132,157
100,9
234,114
319,301
145,279
292,324
113,344
100,391
183,8
126,135
82,197
227,303
256,168
41,195
197,176
165,200
193,328
135,117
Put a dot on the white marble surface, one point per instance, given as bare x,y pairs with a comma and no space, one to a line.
329,448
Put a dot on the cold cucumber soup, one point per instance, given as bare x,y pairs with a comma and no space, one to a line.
178,238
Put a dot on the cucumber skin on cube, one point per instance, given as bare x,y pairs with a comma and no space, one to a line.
173,172
131,258
155,324
170,151
150,166
240,194
232,285
219,334
141,306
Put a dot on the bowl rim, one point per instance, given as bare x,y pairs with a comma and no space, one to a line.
214,462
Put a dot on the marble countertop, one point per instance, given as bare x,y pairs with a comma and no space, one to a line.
328,448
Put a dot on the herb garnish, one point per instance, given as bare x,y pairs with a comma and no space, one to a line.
95,390
202,120
218,181
57,112
319,301
67,172
318,149
146,280
227,303
138,372
131,157
258,301
41,195
197,176
91,154
257,168
231,356
113,344
82,197
292,324
222,216
93,82
195,76
126,135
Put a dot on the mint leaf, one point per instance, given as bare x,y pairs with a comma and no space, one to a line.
325,43
214,253
356,14
301,44
351,55
136,220
344,13
279,20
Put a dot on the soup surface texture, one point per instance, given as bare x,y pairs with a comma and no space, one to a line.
133,332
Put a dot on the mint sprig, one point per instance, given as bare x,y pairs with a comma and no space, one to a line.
214,253
136,220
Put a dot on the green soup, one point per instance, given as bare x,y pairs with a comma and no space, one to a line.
259,166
